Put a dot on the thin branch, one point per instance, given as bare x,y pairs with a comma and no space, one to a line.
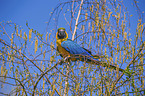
73,36
5,31
4,94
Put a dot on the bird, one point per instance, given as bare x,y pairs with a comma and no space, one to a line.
70,49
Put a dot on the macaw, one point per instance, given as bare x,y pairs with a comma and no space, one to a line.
68,48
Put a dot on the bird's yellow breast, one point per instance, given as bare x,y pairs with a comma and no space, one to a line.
61,50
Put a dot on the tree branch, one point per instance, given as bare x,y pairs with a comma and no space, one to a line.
73,36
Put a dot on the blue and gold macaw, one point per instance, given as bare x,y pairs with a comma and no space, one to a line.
68,48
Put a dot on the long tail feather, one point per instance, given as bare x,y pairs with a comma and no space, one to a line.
105,64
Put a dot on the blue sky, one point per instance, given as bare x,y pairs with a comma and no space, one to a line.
37,12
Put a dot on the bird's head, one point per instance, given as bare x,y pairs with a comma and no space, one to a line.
61,34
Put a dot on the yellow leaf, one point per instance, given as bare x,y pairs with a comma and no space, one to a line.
125,35
117,48
6,72
118,15
92,8
92,26
109,15
30,34
25,36
44,54
17,32
36,44
2,72
86,16
12,38
21,33
46,36
49,35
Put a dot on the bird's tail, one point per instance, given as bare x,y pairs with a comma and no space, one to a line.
94,59
104,64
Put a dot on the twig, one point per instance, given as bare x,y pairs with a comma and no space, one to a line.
77,20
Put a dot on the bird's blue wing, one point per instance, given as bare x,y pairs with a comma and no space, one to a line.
75,49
